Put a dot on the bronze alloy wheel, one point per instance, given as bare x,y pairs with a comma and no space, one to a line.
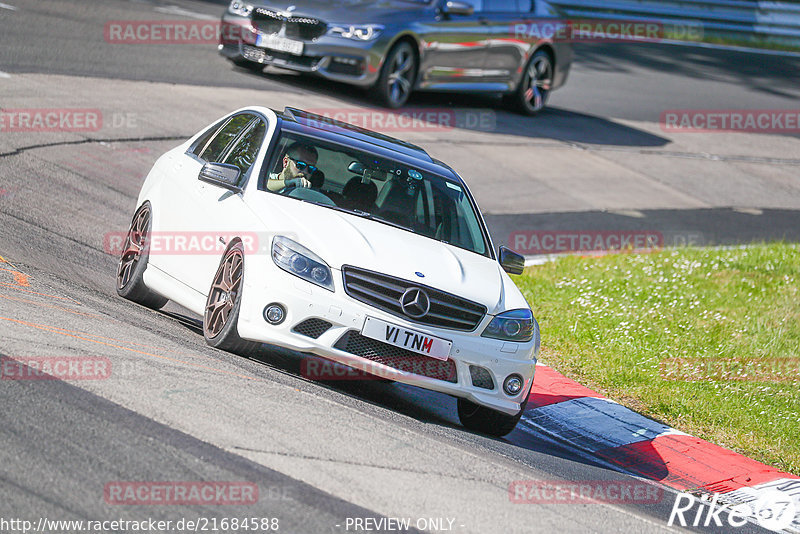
224,292
133,262
135,244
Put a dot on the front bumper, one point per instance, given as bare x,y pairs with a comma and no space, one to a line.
303,301
331,57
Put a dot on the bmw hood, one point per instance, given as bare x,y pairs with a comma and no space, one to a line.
345,11
343,239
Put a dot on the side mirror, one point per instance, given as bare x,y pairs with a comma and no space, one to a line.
510,261
356,167
453,7
222,175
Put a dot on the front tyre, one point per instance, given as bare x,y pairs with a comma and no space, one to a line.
133,262
397,77
485,420
534,89
247,64
223,303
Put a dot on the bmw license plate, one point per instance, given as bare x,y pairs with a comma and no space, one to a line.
281,44
432,346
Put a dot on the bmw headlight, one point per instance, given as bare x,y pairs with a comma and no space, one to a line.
240,8
514,325
296,259
359,32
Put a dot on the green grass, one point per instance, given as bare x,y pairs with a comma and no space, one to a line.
609,321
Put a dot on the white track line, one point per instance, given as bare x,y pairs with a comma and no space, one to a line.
6,6
732,48
4,74
175,10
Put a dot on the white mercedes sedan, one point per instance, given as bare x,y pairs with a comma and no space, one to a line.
295,230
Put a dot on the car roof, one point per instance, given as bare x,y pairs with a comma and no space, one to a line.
305,122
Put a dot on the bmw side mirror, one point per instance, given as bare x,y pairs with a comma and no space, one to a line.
510,261
222,175
453,7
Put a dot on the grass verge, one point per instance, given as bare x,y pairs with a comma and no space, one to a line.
705,340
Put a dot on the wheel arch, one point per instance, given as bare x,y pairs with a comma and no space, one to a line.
416,46
545,47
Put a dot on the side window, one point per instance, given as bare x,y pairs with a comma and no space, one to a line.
229,132
244,152
526,6
500,6
202,141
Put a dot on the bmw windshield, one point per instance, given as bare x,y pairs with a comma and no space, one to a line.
375,188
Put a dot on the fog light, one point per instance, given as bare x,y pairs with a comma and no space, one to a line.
274,314
513,385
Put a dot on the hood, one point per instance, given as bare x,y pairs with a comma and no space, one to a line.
343,239
345,11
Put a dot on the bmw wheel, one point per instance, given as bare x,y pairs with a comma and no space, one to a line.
133,262
223,303
397,77
533,90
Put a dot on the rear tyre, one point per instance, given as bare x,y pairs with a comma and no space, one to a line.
485,420
397,77
533,90
133,262
223,303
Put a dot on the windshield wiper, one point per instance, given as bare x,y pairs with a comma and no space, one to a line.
386,221
363,214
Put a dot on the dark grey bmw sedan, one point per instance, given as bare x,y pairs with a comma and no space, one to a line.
395,47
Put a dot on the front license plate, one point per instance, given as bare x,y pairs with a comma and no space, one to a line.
281,44
435,347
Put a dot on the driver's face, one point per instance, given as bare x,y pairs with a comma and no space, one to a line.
301,155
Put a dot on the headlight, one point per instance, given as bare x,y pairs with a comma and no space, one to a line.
363,32
240,8
296,259
514,325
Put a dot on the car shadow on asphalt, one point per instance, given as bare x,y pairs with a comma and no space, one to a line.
424,406
777,75
472,112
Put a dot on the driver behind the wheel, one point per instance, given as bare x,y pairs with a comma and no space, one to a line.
299,163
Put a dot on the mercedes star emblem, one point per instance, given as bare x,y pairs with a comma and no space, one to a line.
415,303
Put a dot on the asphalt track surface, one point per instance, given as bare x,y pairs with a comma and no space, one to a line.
177,410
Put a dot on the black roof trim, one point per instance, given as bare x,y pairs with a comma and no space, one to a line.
321,122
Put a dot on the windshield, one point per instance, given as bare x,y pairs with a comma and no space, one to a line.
376,188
